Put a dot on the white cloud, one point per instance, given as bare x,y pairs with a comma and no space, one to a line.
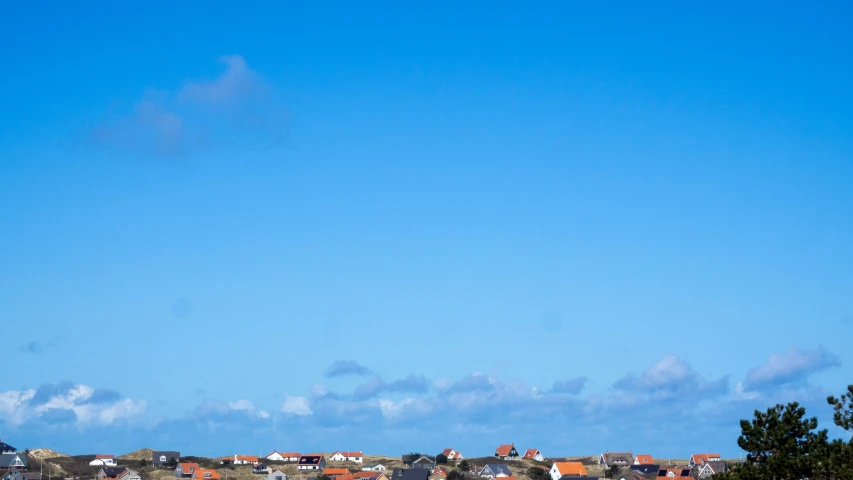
298,406
794,365
18,407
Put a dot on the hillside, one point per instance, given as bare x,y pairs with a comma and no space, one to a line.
43,453
141,454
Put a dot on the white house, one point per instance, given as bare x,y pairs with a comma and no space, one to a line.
534,454
355,457
278,475
452,454
373,468
275,456
103,461
240,460
561,469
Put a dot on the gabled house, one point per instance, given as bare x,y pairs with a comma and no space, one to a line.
14,460
103,461
507,452
278,475
117,473
697,459
185,470
283,456
643,460
495,470
16,474
424,461
561,469
410,474
311,462
452,454
161,459
533,454
711,468
261,469
356,457
6,448
206,474
616,459
376,467
674,474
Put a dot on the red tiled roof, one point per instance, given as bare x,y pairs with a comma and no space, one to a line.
186,467
504,450
335,471
247,458
530,453
447,451
365,474
704,457
571,468
352,454
645,459
289,454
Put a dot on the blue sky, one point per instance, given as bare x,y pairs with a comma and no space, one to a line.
410,227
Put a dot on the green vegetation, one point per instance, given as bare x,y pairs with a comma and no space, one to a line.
782,443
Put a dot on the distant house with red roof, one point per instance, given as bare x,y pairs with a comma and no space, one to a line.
206,474
452,454
335,472
644,460
507,452
675,474
534,454
561,469
699,459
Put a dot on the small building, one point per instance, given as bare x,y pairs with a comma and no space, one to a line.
356,457
452,454
711,468
278,475
164,458
276,456
507,452
103,461
643,459
675,474
117,473
185,470
311,462
697,459
410,474
534,454
495,470
261,469
6,448
616,459
645,470
561,469
376,467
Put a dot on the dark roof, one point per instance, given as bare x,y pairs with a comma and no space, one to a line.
645,469
5,447
6,459
624,457
113,472
718,466
410,474
309,460
155,456
497,468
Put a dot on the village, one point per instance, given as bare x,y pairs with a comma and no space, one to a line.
507,463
